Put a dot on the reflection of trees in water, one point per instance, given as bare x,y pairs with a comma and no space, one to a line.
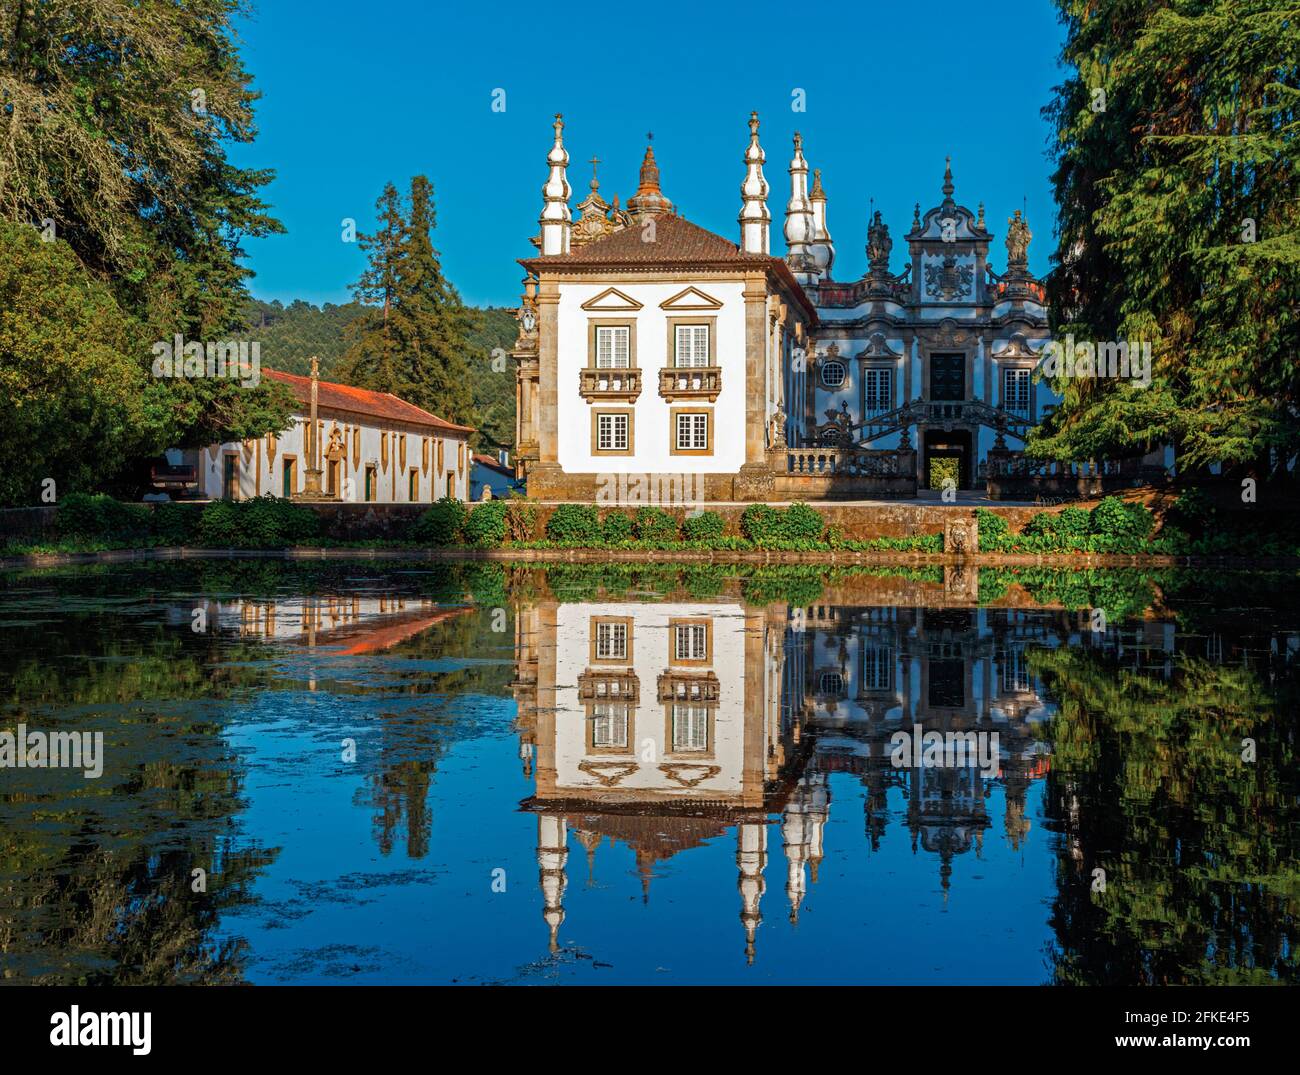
1200,848
413,741
95,887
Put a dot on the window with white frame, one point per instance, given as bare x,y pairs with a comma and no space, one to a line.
1015,391
878,390
690,642
692,433
833,374
692,345
613,347
611,641
609,726
877,667
690,729
611,432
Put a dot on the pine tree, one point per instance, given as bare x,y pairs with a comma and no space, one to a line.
1180,225
412,340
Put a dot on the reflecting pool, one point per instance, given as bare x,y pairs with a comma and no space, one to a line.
409,773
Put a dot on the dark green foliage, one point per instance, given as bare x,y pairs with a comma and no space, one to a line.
759,523
1073,522
176,524
291,335
486,525
574,524
100,517
704,526
264,522
1114,518
1177,225
443,524
411,339
801,523
617,527
705,581
992,529
654,524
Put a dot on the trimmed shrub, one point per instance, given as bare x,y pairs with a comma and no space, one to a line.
175,524
654,524
801,523
263,522
1073,522
1113,518
616,528
574,524
485,526
706,526
759,523
993,529
442,524
100,516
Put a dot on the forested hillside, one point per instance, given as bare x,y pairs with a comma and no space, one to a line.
291,334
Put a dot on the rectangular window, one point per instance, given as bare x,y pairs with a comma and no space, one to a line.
878,390
690,729
611,641
690,642
692,432
692,345
609,726
612,433
1015,391
877,667
613,347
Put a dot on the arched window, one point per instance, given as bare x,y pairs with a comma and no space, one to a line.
833,374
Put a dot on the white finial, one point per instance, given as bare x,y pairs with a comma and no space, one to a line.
821,248
556,220
754,216
799,223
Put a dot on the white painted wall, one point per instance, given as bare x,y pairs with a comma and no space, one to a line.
649,657
264,474
651,424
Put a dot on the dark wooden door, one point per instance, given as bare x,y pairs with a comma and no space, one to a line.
948,378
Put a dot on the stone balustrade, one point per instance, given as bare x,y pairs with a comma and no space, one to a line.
690,383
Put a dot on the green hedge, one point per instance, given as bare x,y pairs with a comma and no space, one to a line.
574,524
442,524
486,525
264,522
100,517
705,526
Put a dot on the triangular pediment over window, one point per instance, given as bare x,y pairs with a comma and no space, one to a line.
691,299
611,299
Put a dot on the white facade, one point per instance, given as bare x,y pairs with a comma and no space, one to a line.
364,457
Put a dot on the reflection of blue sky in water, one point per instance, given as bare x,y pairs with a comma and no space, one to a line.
774,792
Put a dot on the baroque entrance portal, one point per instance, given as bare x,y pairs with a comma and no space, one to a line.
947,455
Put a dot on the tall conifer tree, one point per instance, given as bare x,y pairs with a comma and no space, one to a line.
413,339
1177,181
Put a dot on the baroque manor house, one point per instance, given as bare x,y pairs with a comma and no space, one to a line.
649,346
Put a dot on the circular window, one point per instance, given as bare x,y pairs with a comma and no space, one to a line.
833,374
832,683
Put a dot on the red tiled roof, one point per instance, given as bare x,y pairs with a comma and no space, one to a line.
343,397
496,464
677,242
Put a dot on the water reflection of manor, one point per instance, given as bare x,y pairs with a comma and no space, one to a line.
663,726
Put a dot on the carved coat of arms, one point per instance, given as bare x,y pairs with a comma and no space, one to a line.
949,280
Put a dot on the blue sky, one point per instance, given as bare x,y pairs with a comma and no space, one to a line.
354,96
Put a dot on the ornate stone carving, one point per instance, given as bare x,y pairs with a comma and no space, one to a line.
949,280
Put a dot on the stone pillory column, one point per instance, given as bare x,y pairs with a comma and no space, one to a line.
311,489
